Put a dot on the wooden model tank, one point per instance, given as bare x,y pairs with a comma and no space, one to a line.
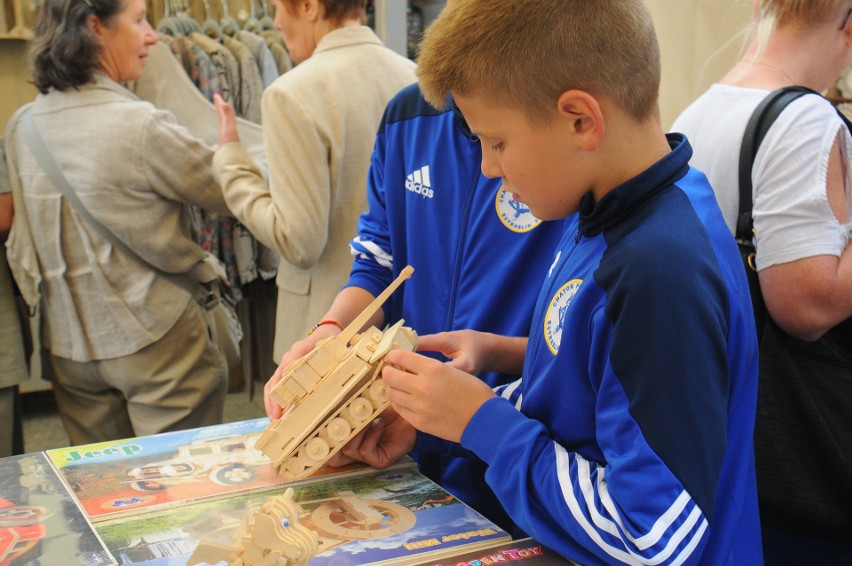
333,392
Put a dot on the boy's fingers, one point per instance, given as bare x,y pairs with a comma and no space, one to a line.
397,379
433,343
411,362
273,409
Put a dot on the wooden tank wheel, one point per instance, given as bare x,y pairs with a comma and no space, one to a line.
316,449
335,522
294,465
337,431
378,393
359,410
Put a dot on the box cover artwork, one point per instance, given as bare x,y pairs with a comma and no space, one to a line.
417,519
124,477
40,521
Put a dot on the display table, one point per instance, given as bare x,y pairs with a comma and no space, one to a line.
150,500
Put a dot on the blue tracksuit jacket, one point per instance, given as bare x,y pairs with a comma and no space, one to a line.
478,255
633,439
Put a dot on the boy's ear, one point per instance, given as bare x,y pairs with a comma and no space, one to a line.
585,117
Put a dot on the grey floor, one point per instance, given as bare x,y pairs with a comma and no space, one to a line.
43,428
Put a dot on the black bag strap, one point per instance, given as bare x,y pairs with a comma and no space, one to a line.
758,125
761,119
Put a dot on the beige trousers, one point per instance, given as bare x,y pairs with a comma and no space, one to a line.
176,383
10,433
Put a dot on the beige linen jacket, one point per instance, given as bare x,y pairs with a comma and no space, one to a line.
319,123
13,363
134,168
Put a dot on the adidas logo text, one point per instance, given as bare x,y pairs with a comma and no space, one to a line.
420,183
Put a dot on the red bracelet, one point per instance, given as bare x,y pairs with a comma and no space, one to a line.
322,322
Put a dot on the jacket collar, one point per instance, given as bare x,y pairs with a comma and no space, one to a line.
101,89
623,199
346,37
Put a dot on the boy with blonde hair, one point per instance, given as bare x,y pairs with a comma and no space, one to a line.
629,438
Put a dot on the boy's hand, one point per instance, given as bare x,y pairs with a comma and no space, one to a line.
299,349
434,397
227,121
466,349
477,352
379,445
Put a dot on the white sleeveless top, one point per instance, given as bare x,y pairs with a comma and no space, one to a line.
792,217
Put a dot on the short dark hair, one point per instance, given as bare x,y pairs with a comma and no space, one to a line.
338,10
65,53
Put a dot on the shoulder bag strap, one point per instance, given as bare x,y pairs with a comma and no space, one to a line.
758,125
51,169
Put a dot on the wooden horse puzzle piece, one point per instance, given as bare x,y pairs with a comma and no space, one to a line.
332,393
283,532
275,537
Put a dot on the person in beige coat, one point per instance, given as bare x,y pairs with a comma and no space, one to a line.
319,122
133,353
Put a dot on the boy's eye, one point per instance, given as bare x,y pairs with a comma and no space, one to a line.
497,146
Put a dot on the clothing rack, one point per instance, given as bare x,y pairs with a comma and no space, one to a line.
214,15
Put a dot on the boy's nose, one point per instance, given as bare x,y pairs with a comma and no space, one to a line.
490,167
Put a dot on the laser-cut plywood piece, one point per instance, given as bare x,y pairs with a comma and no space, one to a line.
282,532
275,536
332,393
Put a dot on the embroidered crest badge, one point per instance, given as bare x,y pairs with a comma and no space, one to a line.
515,215
554,318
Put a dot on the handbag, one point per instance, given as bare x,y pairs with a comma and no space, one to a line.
226,330
803,454
226,325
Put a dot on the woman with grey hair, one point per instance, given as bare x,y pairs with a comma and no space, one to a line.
133,352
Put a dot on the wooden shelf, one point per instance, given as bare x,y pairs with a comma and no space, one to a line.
18,19
19,33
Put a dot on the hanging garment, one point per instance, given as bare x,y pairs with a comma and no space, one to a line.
226,64
165,84
279,51
262,56
251,83
197,64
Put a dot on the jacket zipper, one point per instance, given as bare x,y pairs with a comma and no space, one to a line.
451,309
